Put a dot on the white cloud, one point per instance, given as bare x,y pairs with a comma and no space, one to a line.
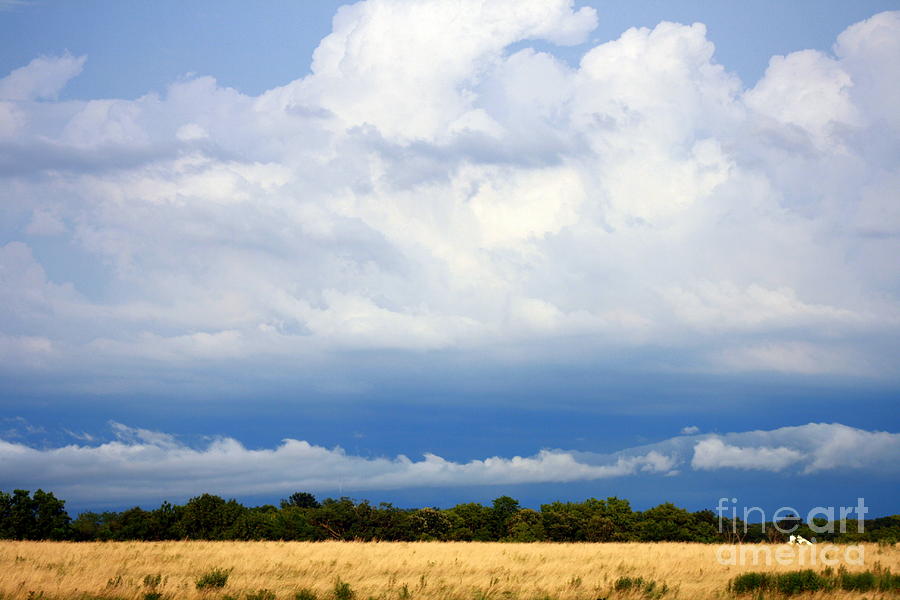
19,427
869,49
143,464
42,78
191,131
26,292
723,305
808,90
25,350
798,357
12,119
411,69
83,436
140,463
813,447
715,454
424,189
690,430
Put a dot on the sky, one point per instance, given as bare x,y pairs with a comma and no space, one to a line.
435,252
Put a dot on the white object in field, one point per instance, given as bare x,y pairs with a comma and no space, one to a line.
800,540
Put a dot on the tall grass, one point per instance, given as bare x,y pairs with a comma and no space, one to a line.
392,571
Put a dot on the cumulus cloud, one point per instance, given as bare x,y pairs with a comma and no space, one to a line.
143,464
42,78
139,463
716,454
424,188
811,448
412,69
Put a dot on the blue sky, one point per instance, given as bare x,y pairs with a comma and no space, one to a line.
450,251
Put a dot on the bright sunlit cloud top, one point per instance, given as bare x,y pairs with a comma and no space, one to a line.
424,189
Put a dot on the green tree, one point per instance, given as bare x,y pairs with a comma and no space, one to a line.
133,524
292,523
336,519
19,521
470,522
300,500
87,526
668,523
390,523
429,524
502,510
39,517
164,522
564,521
599,528
254,524
208,517
525,526
619,512
51,518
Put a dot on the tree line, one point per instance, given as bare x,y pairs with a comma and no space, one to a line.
42,516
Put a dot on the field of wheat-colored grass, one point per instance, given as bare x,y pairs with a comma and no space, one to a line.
384,571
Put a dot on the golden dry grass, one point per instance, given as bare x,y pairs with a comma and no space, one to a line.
426,570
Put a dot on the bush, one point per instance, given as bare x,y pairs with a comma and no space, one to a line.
879,579
749,582
626,583
888,582
794,582
153,596
801,581
261,595
305,594
797,582
217,578
342,591
646,587
861,582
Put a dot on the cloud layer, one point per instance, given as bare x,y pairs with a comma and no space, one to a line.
141,465
425,188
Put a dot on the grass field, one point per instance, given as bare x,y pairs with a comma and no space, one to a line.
393,571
